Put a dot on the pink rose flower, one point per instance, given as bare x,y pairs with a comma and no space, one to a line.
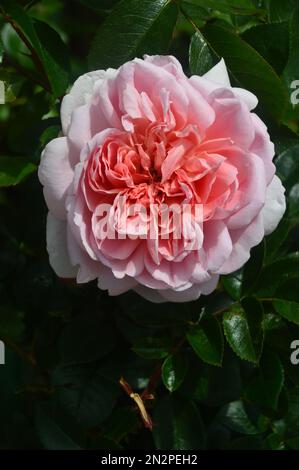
146,134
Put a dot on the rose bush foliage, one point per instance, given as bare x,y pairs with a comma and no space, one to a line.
87,83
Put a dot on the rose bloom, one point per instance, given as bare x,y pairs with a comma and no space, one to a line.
148,133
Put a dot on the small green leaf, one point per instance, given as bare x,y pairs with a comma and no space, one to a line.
132,29
242,326
14,169
56,430
287,164
286,300
173,371
48,134
274,442
178,425
12,85
200,56
265,387
232,283
47,44
275,273
213,386
293,201
207,341
276,240
234,416
252,268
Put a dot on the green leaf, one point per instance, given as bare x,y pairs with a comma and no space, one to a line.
276,273
84,393
12,85
249,69
276,240
178,425
200,56
291,71
49,134
235,417
173,371
207,341
281,11
15,48
253,268
242,326
210,385
152,348
47,44
232,283
132,29
286,300
14,169
238,7
274,442
265,387
287,164
274,52
293,201
56,430
87,338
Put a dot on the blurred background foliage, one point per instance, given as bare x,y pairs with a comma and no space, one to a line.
211,374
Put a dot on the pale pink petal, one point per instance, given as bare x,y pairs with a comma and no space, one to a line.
218,74
58,249
56,175
275,205
79,94
243,240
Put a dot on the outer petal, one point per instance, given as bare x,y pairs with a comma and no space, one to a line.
275,205
88,268
56,175
243,241
218,74
57,248
192,293
107,281
249,98
78,95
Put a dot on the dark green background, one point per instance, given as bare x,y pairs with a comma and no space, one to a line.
219,368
